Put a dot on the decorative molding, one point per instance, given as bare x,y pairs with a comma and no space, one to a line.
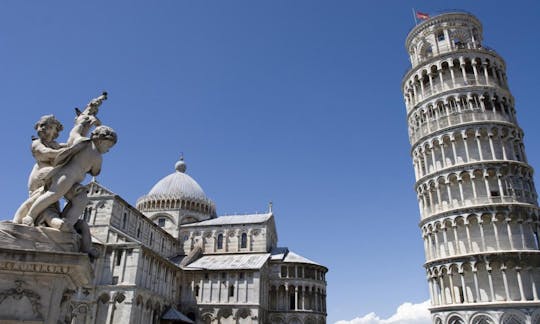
18,293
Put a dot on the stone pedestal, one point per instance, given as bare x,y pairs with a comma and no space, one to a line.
41,272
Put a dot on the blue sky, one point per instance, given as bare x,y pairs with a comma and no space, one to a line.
295,102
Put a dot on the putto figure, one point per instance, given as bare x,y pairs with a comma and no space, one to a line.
60,168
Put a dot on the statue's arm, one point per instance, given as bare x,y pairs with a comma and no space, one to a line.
43,153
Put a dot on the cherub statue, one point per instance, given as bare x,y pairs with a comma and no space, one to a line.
59,169
70,168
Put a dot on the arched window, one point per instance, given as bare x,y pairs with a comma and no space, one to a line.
220,241
197,291
161,222
243,241
231,291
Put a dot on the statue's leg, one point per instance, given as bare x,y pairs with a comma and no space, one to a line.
25,206
42,202
86,239
51,217
23,210
78,199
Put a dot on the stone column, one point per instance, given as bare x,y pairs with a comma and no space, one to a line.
486,76
520,283
505,282
490,280
452,75
463,287
475,71
476,286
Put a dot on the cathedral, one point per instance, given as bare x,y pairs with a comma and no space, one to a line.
172,259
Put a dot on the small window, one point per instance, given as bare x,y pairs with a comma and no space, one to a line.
241,276
197,291
494,193
231,291
139,230
115,280
220,241
223,275
243,241
161,222
87,214
124,220
206,276
440,36
119,257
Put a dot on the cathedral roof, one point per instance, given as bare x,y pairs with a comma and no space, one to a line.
235,219
178,184
229,262
284,255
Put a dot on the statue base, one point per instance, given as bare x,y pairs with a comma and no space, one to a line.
41,274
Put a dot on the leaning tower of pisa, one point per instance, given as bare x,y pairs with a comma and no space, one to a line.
477,200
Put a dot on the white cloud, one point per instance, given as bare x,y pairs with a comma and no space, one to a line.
406,313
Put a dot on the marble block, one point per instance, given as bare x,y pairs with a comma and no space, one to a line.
40,274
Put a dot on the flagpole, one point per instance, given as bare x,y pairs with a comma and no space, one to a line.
414,16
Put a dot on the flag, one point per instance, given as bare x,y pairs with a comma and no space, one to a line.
421,15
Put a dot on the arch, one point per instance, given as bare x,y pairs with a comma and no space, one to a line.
513,317
455,319
310,320
426,50
243,313
224,313
535,317
482,319
104,298
206,317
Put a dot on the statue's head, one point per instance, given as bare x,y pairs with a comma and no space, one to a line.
104,138
48,127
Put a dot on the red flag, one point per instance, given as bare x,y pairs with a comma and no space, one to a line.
421,15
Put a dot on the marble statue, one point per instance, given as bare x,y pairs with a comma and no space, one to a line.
61,167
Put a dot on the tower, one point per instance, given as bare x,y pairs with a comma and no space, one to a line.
477,200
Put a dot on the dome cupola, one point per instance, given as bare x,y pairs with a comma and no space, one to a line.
178,192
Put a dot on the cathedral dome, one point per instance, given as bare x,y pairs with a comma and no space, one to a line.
177,191
178,184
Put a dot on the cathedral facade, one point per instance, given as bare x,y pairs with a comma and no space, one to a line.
171,259
475,188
